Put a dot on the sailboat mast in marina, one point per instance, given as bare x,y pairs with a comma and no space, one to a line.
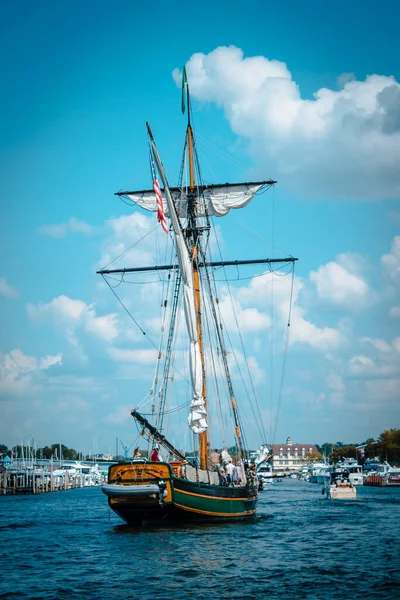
179,489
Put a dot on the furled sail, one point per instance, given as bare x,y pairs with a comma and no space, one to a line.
197,416
212,200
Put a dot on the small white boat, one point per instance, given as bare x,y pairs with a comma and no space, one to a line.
339,486
342,492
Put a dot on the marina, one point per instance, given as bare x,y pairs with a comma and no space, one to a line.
35,478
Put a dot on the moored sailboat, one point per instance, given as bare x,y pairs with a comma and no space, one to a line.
176,489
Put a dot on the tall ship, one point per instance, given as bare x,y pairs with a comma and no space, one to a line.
166,485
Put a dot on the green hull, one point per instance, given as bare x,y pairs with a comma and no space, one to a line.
186,500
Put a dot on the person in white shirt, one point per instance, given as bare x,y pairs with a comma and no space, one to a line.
229,471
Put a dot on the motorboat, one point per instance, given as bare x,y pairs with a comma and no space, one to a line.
338,486
354,469
264,473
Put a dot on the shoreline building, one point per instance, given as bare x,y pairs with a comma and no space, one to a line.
290,456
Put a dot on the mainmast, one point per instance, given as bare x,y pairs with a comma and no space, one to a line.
193,239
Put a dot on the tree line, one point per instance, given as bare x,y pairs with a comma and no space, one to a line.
385,447
53,451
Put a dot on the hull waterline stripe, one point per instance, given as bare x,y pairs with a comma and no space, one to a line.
216,514
210,497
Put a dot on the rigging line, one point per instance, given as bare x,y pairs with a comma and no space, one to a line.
130,247
171,410
223,350
212,360
124,280
256,235
222,153
284,356
262,430
133,319
224,356
259,421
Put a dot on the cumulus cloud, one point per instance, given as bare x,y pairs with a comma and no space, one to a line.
21,373
6,289
71,314
336,285
122,414
301,329
391,263
121,246
142,356
384,362
346,140
247,319
62,229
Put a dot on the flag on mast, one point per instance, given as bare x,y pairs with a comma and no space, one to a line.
184,83
157,191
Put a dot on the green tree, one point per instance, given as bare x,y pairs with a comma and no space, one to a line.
386,448
325,449
3,450
313,457
340,452
54,451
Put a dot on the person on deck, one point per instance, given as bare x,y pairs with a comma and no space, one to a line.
222,476
214,460
155,455
230,467
237,474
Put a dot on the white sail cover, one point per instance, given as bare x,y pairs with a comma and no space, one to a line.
213,201
197,416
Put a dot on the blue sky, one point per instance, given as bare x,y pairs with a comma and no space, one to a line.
317,110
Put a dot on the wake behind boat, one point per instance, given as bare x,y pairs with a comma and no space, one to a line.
222,488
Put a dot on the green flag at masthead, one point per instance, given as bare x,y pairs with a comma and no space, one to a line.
184,83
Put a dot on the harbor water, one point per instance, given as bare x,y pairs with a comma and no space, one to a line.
301,545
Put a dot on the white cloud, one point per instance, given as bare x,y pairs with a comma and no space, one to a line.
391,263
6,289
248,319
346,140
303,331
62,229
338,286
380,345
385,365
120,415
70,314
396,344
142,357
122,248
335,382
20,373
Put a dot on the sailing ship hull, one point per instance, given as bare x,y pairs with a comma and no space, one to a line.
178,499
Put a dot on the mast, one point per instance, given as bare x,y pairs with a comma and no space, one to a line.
196,202
193,238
